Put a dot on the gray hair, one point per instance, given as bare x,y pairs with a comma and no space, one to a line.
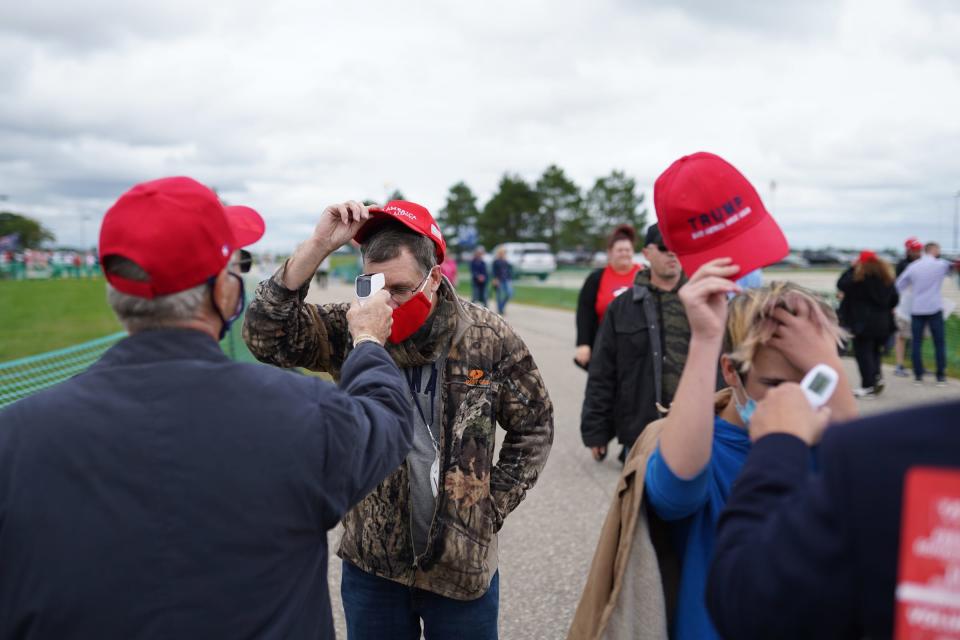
138,314
386,242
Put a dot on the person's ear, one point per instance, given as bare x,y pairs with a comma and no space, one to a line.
728,368
436,277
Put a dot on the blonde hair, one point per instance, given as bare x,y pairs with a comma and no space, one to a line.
750,322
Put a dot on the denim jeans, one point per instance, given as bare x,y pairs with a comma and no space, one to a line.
504,293
480,292
380,609
918,323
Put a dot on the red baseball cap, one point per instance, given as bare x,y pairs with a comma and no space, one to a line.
912,244
412,215
867,256
707,209
177,231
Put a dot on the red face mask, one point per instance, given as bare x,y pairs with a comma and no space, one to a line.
410,316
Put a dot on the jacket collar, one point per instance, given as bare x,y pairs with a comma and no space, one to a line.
157,345
642,285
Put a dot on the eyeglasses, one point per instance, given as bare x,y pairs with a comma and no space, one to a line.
400,294
245,261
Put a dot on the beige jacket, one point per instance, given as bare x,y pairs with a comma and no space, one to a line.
633,579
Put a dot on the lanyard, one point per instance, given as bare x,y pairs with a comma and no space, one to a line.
415,380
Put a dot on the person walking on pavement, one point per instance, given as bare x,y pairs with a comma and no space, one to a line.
478,277
913,251
420,552
502,280
168,492
638,355
602,286
925,277
869,297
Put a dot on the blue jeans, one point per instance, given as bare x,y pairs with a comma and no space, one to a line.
480,292
380,609
918,323
504,293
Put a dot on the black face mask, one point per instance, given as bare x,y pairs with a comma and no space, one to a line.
241,303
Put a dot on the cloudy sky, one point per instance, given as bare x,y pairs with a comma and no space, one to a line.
852,108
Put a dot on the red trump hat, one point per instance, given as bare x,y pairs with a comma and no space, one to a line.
177,231
707,209
412,215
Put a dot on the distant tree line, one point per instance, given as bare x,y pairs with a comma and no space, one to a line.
554,210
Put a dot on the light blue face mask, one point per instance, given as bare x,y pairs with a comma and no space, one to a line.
745,411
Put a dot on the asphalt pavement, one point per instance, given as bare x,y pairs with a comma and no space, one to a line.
546,545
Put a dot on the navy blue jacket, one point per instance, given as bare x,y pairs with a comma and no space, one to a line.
814,555
168,492
478,268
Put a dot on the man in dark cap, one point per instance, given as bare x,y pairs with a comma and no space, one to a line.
638,354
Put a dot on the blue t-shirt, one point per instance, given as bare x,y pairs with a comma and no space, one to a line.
693,508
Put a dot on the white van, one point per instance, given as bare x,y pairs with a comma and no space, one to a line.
528,258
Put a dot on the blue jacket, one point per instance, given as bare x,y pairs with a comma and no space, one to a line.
692,507
478,268
814,555
168,492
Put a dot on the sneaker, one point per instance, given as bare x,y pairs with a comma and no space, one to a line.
900,372
878,387
867,392
941,382
918,382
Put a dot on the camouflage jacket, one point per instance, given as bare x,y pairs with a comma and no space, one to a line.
489,378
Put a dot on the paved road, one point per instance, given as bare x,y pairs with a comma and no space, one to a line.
546,545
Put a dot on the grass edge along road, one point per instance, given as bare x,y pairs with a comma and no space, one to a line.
37,316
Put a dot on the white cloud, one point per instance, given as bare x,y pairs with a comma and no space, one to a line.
288,106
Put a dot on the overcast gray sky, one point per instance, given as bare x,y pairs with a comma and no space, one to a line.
851,107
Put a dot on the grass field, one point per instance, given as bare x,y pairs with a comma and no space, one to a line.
43,315
554,297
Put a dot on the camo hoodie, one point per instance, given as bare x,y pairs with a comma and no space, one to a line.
489,377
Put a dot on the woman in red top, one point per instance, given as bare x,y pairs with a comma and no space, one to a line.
602,286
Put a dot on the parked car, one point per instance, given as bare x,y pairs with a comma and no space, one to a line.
529,258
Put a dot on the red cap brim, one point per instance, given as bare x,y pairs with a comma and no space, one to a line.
245,223
762,246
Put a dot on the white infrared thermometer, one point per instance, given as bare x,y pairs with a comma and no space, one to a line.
368,284
819,384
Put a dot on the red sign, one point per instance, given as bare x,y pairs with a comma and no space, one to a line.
928,586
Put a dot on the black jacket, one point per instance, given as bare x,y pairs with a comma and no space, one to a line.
801,555
626,377
168,492
867,307
587,324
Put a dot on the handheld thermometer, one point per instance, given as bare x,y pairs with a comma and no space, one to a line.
819,384
368,284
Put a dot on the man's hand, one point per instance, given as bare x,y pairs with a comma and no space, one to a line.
337,226
583,355
803,337
373,318
339,223
785,409
599,453
705,298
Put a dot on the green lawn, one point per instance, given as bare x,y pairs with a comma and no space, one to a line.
554,297
43,315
